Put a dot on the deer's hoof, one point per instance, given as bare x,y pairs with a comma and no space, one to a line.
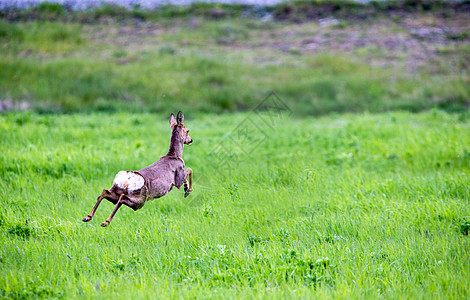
105,223
187,192
86,219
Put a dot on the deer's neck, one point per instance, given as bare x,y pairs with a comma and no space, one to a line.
176,145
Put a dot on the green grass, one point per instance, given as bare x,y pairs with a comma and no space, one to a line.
70,67
365,200
341,206
40,37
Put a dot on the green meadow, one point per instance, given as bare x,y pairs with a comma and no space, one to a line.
338,207
352,180
220,65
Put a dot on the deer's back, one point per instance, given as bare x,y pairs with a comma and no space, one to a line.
160,176
151,182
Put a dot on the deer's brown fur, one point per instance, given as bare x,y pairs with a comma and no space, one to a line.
134,188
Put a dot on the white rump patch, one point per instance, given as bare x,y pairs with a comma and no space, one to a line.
128,180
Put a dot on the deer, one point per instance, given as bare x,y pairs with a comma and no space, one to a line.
135,188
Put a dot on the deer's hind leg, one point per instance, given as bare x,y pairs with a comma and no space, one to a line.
104,195
188,189
120,202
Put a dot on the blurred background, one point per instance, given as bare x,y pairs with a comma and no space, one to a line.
224,56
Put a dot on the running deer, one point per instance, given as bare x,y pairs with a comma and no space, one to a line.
134,188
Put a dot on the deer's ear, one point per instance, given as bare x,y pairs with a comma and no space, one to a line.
180,118
173,120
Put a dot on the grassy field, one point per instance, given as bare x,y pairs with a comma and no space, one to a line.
338,207
224,65
359,188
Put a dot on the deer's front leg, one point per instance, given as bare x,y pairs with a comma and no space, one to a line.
118,205
188,189
104,194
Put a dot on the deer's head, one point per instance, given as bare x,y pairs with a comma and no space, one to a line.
180,132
